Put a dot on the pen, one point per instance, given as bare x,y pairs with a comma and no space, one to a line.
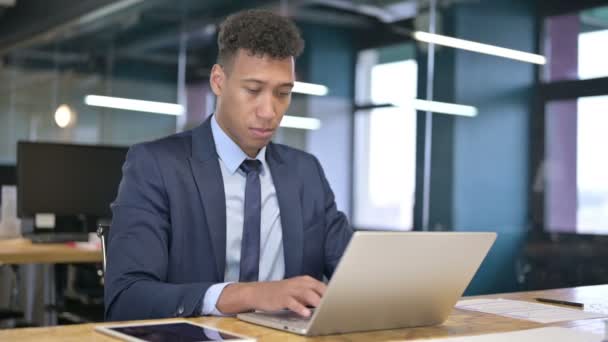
561,302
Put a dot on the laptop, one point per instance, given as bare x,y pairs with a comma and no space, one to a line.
390,280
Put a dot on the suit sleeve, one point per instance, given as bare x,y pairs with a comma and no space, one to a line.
337,229
136,284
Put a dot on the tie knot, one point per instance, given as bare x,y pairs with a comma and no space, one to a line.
251,165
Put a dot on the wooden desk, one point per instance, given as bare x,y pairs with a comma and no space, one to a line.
23,251
459,323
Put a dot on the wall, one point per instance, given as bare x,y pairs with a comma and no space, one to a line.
480,165
27,108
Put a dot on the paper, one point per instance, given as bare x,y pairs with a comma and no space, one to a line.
553,334
535,312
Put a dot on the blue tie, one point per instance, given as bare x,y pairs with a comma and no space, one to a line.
250,245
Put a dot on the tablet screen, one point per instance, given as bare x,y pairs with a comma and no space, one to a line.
175,332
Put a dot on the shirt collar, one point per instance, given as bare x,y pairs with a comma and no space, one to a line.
229,152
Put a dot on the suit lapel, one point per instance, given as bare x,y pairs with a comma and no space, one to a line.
208,177
290,206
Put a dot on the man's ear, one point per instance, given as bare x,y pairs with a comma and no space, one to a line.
217,79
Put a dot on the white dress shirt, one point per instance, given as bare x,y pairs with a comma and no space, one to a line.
272,262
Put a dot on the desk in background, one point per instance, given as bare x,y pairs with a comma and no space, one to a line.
22,251
460,323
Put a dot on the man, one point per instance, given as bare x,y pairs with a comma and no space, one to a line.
219,220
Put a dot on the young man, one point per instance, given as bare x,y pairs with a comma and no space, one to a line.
219,220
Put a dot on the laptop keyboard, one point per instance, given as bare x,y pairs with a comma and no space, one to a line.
286,318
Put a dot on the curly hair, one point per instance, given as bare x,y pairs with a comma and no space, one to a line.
260,32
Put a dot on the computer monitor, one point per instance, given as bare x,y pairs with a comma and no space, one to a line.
67,180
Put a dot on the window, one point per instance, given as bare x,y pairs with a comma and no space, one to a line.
593,54
592,165
576,198
385,144
572,195
577,45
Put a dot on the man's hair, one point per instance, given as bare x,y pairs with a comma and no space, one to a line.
260,32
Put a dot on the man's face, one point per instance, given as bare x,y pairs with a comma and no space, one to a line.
253,94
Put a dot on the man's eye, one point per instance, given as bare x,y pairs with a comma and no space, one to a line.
253,91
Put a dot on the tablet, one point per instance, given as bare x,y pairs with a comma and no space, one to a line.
182,331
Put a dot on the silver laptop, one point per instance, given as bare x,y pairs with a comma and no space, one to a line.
390,280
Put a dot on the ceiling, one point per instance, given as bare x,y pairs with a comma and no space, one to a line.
91,33
595,18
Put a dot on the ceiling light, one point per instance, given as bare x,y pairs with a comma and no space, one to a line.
300,122
136,105
64,116
310,89
479,47
438,107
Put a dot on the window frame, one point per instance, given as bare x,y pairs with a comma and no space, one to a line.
369,106
546,92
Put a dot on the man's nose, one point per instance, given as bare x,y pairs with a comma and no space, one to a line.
266,108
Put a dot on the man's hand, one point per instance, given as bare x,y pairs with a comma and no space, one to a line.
294,294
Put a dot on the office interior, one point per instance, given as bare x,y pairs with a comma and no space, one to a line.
412,135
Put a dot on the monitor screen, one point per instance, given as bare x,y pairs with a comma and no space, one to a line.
64,179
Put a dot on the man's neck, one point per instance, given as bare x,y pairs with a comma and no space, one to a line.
251,153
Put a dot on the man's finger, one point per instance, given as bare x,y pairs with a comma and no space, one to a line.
318,287
294,305
309,298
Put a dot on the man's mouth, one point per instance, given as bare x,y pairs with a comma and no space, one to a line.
262,132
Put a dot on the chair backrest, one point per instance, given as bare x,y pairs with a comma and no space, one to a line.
102,231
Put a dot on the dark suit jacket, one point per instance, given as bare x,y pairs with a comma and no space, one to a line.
167,242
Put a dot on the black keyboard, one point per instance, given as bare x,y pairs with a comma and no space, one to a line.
57,237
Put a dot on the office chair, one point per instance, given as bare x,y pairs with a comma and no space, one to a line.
102,231
10,312
82,300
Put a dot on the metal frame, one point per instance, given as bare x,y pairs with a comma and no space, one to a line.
102,233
